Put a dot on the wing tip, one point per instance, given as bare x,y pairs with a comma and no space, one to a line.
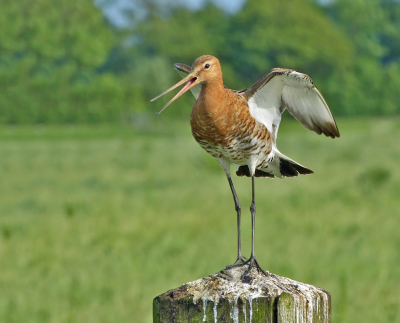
333,130
329,130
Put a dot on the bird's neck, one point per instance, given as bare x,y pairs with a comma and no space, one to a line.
212,94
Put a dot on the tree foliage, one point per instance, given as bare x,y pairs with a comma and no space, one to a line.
63,62
49,60
369,86
68,31
350,49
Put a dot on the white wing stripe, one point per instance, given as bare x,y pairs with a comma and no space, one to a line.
296,92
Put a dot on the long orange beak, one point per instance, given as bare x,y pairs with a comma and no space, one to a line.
191,81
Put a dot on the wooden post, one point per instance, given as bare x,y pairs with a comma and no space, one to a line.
226,297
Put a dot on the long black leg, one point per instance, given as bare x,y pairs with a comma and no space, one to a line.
253,215
252,260
240,258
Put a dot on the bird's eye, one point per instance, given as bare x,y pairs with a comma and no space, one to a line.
207,66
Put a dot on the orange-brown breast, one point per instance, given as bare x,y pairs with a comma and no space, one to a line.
222,124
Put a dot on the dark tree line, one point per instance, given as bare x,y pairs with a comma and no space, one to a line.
66,63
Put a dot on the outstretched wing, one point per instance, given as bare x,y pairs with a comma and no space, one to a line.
282,89
183,71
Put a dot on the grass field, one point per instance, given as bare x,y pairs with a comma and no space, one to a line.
96,221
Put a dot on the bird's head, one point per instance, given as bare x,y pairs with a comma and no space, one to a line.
205,69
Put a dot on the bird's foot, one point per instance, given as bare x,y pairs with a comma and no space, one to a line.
252,262
240,261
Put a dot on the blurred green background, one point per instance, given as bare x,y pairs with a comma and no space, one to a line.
103,206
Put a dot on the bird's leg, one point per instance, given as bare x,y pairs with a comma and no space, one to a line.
252,260
240,258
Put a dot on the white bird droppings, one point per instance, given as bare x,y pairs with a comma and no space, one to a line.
307,303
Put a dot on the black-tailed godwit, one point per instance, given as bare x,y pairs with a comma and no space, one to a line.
240,127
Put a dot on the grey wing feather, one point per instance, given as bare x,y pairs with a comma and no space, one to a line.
282,89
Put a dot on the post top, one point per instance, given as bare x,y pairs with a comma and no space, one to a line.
306,302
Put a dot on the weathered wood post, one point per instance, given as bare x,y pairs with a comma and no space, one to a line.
226,297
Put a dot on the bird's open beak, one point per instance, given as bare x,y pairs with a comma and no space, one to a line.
191,81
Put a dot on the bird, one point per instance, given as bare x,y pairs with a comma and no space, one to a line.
241,127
